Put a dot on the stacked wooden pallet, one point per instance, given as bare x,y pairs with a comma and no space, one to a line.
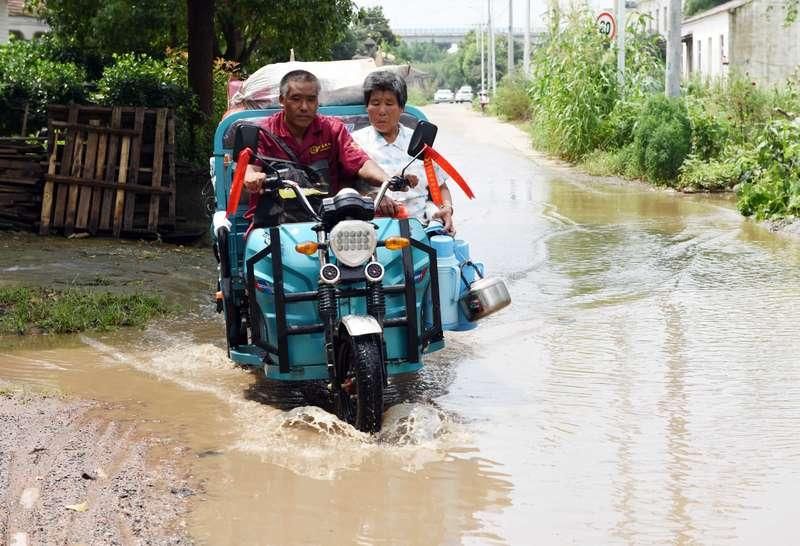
110,170
21,175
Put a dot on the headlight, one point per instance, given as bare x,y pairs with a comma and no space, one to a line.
353,242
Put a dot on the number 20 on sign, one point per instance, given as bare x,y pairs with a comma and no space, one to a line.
607,25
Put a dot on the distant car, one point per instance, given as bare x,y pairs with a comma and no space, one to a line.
464,94
442,95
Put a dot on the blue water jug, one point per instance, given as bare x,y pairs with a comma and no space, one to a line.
456,273
449,281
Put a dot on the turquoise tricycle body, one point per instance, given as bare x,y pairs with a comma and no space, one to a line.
311,316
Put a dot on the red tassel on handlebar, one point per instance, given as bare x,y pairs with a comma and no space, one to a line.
449,169
238,180
433,183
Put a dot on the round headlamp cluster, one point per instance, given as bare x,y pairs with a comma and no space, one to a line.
353,242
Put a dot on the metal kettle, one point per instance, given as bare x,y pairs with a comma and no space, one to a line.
483,297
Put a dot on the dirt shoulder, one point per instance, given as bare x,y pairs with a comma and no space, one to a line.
71,475
70,471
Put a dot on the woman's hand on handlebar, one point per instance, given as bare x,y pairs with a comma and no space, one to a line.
399,183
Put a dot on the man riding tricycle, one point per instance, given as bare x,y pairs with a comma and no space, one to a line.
312,284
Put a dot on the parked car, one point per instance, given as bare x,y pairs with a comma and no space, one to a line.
464,94
442,95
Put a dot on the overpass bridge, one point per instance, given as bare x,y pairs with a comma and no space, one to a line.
447,36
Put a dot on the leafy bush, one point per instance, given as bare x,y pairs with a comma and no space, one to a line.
772,187
138,80
709,132
418,96
604,162
574,87
512,101
28,76
577,102
618,126
662,138
666,150
644,76
698,174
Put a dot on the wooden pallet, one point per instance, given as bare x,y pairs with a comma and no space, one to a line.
108,170
21,174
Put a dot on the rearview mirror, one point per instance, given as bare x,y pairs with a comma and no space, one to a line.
246,137
424,133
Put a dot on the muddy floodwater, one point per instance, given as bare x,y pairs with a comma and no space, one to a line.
643,388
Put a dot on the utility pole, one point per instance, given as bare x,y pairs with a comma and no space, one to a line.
480,45
510,43
491,52
621,42
526,47
673,79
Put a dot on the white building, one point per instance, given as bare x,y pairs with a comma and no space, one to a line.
706,38
656,10
15,21
3,21
747,35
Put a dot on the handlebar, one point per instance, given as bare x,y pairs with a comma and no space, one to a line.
395,183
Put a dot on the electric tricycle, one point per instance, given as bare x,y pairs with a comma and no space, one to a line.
344,296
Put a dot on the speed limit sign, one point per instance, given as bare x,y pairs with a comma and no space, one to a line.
607,25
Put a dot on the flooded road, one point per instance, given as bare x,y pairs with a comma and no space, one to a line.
643,388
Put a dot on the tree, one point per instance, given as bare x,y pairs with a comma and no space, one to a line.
200,46
258,32
103,27
246,31
368,24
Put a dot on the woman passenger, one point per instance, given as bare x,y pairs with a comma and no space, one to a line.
386,142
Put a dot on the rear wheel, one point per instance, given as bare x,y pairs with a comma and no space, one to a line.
235,327
359,362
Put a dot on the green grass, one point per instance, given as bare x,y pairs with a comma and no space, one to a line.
38,310
418,97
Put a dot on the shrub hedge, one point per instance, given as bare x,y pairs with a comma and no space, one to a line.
29,77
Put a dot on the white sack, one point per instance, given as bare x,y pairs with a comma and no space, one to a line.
341,82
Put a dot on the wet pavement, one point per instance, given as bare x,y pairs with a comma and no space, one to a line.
643,388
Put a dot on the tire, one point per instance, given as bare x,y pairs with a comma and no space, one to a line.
235,327
359,363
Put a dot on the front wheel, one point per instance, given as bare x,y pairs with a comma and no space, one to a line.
359,400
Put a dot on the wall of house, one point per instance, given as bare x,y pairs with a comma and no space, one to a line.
710,47
3,21
763,47
26,28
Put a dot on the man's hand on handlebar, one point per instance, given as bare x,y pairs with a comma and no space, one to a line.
254,180
387,207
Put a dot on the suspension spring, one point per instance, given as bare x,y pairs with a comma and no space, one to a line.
376,302
327,300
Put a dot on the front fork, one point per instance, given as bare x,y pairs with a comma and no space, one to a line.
376,307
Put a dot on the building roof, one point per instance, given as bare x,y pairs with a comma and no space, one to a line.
16,8
727,6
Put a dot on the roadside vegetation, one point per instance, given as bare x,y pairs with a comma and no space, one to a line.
723,135
40,310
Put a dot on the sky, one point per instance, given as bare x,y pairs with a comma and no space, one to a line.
457,13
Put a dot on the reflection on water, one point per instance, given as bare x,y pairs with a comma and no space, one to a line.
647,371
283,471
